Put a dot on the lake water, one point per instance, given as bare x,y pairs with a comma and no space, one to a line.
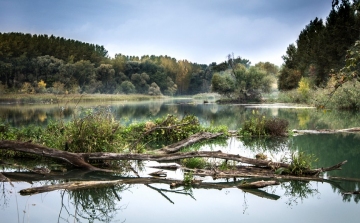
291,201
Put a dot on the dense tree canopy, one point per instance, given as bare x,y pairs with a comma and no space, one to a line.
72,66
321,47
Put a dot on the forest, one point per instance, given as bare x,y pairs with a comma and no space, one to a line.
41,63
49,64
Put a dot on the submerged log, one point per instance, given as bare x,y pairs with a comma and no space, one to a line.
327,131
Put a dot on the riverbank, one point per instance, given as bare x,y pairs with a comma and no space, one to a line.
54,98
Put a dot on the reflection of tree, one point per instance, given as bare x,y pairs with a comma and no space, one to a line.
298,190
318,119
95,204
155,107
331,148
347,197
347,187
4,199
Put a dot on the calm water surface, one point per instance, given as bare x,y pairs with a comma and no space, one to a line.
291,201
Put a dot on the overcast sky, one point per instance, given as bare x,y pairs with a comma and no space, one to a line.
201,31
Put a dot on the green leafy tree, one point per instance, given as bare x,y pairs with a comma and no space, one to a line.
154,89
223,84
127,87
106,75
171,87
140,82
251,82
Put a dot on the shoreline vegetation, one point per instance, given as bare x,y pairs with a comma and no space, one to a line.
47,98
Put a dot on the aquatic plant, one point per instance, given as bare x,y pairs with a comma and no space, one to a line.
194,163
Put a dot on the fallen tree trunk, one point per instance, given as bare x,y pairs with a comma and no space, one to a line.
327,131
28,147
78,159
175,147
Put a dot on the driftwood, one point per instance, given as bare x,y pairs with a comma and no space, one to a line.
175,147
327,131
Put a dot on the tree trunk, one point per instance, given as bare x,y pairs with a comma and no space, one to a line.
327,131
28,147
78,159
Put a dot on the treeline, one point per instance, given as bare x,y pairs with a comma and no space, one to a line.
321,47
41,63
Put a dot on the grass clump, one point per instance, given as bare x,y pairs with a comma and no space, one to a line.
299,163
259,125
194,163
160,132
96,131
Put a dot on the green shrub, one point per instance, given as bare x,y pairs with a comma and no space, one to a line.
96,131
346,97
259,125
169,129
276,127
255,126
295,96
300,162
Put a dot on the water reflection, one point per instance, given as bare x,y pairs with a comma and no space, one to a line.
154,201
92,205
